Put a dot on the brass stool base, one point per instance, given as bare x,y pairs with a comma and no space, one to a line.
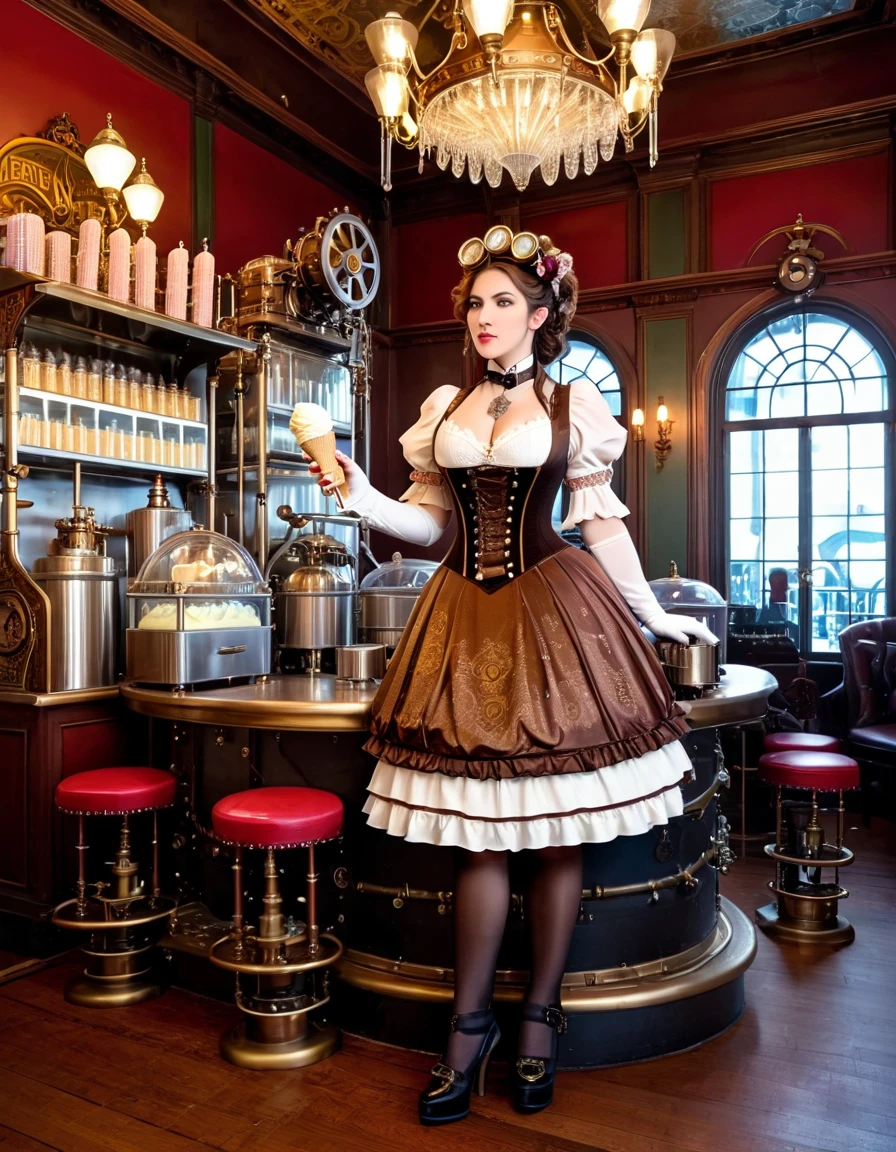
315,1043
88,992
836,931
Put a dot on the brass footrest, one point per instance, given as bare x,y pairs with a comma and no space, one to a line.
836,893
239,955
833,858
279,1009
102,914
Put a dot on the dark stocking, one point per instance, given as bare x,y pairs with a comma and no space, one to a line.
552,910
481,900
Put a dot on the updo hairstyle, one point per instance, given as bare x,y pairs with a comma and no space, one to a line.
550,339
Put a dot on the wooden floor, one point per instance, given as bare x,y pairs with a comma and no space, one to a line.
812,1065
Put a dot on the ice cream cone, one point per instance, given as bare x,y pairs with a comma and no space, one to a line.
322,449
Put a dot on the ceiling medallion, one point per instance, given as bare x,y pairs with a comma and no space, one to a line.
513,93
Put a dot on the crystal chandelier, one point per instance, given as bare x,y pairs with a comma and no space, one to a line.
513,93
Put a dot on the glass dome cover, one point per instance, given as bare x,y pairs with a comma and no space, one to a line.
399,575
200,562
674,591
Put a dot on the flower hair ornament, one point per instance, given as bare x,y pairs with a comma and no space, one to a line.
536,253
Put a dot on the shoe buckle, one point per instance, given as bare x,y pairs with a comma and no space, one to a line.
537,1069
455,1020
556,1019
443,1072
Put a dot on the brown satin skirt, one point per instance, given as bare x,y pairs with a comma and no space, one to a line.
549,674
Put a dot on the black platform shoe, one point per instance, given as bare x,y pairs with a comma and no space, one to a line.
448,1096
532,1077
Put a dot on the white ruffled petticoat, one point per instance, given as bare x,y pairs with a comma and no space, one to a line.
624,799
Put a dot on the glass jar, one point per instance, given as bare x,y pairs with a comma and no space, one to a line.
64,374
48,372
173,400
79,380
149,393
121,386
95,381
108,370
135,389
30,367
162,398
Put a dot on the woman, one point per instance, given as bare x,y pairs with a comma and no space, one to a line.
523,708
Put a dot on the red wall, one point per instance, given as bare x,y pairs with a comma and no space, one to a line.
597,238
425,269
47,70
260,201
849,195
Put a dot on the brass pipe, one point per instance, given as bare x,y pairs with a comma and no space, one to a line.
270,924
237,869
311,904
699,804
81,887
238,392
76,485
156,884
262,382
211,404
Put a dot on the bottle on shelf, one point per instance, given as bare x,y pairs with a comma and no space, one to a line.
108,370
30,367
135,389
173,399
79,380
162,397
149,393
64,373
95,380
121,386
48,372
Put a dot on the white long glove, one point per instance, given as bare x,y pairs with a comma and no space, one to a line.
406,521
618,558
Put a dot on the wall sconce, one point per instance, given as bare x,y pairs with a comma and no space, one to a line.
638,426
110,163
663,444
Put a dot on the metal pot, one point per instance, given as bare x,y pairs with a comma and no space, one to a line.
148,527
361,662
388,596
315,597
694,665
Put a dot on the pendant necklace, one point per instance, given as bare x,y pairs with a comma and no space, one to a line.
498,406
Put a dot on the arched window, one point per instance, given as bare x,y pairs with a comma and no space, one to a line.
808,408
585,359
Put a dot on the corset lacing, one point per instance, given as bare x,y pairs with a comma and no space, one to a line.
494,493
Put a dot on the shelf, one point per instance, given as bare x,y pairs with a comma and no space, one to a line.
115,409
112,464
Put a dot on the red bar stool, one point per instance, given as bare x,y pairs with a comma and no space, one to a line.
800,742
118,969
284,962
806,909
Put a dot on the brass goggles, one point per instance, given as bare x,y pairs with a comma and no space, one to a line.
501,241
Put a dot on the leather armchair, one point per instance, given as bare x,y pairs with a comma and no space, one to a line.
868,691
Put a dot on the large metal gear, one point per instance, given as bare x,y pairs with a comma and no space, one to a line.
340,256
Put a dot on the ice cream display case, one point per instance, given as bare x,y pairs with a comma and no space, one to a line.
198,611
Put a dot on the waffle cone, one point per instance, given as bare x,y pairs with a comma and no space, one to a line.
322,449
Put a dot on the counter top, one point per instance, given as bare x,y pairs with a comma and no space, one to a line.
321,703
742,696
318,703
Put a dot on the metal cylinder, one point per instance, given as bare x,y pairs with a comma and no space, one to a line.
82,591
361,662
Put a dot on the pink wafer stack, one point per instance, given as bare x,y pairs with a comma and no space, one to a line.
120,265
25,243
203,286
145,274
176,287
59,256
89,254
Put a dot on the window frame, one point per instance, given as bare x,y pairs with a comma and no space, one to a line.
617,484
720,463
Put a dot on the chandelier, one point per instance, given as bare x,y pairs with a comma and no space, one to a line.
514,93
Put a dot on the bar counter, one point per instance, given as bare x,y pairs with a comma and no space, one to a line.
321,703
658,956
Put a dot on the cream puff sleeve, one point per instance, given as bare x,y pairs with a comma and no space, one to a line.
596,439
427,482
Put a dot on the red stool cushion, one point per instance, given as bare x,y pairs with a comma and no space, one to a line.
800,742
278,817
828,771
116,791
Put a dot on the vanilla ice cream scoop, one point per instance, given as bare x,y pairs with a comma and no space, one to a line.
313,428
308,421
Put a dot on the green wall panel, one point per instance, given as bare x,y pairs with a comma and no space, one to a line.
666,250
203,181
665,343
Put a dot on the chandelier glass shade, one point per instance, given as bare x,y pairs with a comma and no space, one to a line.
513,94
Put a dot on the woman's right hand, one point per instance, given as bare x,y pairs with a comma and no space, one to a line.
355,478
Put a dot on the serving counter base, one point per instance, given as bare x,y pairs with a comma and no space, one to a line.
657,960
